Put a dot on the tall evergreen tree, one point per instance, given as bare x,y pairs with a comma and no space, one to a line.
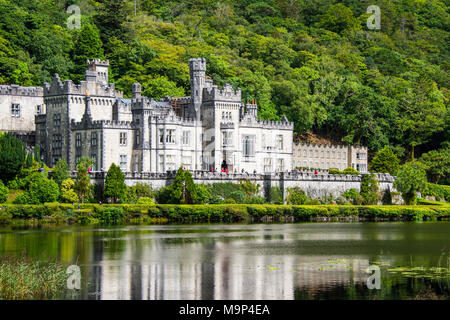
87,46
60,172
12,156
83,180
385,161
115,187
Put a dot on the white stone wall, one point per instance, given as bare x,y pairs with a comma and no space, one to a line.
28,98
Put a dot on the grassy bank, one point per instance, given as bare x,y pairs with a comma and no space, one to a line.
146,214
21,278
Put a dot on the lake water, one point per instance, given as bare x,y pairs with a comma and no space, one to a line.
247,261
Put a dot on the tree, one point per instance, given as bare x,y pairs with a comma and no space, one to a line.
115,187
60,172
139,190
437,163
87,46
370,189
38,189
83,180
296,196
411,178
351,171
68,193
4,191
12,156
385,161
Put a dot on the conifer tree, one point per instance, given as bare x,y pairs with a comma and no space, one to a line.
115,187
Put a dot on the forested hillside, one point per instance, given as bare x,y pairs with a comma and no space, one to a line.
313,60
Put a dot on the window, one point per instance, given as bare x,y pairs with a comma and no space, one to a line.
123,162
94,162
248,146
328,154
185,139
161,135
321,154
333,154
344,155
94,139
138,136
123,138
170,136
56,143
161,162
227,138
263,141
360,156
78,140
338,155
170,162
186,162
281,164
15,110
361,167
38,109
280,142
305,154
267,164
305,163
57,119
310,153
55,159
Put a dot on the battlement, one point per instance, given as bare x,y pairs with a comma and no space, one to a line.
101,124
317,145
16,90
197,64
97,62
227,93
57,87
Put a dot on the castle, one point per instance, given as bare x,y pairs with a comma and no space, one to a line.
203,131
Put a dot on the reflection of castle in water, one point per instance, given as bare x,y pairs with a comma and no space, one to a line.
174,268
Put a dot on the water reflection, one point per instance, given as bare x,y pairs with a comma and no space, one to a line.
277,261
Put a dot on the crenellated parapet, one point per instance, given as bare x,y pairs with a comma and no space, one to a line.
249,121
16,90
318,145
68,87
101,124
227,93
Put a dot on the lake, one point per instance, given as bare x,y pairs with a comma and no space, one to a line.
247,261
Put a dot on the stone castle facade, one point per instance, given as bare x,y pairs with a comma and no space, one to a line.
324,156
197,132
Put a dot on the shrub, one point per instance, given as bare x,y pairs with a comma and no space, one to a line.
276,195
351,171
411,178
145,200
369,189
38,189
110,215
4,192
385,161
68,194
351,195
296,196
334,171
238,196
137,191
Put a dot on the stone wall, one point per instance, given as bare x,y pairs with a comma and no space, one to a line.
315,185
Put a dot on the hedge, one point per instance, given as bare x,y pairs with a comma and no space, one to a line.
126,213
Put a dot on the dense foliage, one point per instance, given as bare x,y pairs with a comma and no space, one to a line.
115,187
315,61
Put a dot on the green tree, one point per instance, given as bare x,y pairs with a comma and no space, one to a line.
87,46
370,190
4,191
68,194
437,164
12,156
351,171
83,180
139,190
411,178
60,172
115,187
38,189
385,161
296,196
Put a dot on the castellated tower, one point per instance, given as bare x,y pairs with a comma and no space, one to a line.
197,70
97,71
